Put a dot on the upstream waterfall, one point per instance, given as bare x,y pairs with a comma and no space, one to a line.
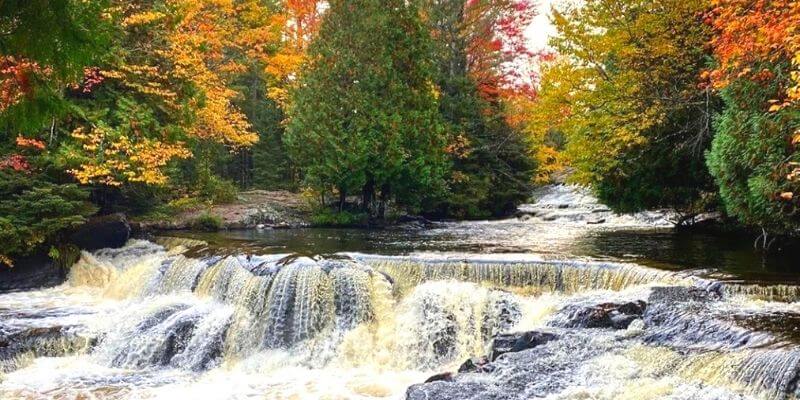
153,321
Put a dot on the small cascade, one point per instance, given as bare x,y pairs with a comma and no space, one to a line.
445,322
778,292
577,205
531,276
200,312
169,333
300,304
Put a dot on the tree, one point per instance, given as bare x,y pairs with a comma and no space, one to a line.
364,119
477,48
36,73
166,90
44,46
265,105
302,20
754,158
624,91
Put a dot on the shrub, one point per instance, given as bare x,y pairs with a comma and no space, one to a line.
328,217
749,155
218,190
207,222
34,212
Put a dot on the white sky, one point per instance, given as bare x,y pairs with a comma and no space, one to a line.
541,28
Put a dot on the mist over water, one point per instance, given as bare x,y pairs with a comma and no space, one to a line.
349,314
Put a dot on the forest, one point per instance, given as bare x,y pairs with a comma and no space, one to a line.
433,107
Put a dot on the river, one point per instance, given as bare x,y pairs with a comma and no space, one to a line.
371,314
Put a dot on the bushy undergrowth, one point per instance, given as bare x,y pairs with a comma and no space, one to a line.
329,217
207,222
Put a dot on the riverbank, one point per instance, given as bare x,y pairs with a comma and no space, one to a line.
251,210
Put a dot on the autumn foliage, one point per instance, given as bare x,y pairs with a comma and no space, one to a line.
499,57
16,79
755,157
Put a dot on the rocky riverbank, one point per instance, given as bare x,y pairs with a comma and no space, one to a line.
44,268
252,209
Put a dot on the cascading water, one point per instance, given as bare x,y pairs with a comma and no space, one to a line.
160,321
148,322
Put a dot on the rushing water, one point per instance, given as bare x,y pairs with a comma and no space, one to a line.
355,314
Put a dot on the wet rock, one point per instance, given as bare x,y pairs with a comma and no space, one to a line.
108,231
32,272
501,314
476,364
607,315
444,343
443,377
542,372
455,391
596,221
45,341
563,206
525,214
514,342
404,219
686,317
177,339
680,294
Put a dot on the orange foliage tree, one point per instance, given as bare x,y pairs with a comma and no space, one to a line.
751,34
499,58
171,82
757,50
301,20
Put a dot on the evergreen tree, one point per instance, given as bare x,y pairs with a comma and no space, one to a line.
364,118
492,171
755,155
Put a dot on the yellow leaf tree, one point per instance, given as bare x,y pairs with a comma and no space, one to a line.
169,82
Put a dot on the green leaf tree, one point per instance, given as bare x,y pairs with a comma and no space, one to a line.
625,91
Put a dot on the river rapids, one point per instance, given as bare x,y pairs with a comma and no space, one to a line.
159,320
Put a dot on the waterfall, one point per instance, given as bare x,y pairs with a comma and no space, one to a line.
530,276
152,321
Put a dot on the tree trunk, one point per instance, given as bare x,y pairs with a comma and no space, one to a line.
367,194
342,199
385,194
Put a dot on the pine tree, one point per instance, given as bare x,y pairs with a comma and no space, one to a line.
364,118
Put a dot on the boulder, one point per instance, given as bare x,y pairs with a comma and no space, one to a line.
443,377
44,341
680,294
108,231
476,364
606,315
32,272
514,342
